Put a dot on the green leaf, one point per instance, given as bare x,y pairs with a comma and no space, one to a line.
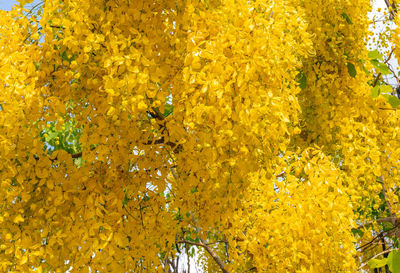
365,69
387,226
386,89
302,80
51,136
193,190
347,18
126,198
351,69
375,263
78,161
37,65
374,54
168,109
65,57
375,92
392,100
357,232
146,198
375,63
390,261
383,68
396,261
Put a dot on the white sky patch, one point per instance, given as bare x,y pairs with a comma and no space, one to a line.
382,25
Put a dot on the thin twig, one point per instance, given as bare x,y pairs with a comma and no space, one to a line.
385,62
377,255
210,251
378,236
189,243
394,73
392,9
390,56
214,255
250,269
188,259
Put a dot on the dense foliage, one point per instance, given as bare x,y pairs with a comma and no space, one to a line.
251,135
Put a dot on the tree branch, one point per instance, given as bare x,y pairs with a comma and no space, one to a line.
378,236
377,255
385,62
216,258
210,251
189,243
172,265
392,9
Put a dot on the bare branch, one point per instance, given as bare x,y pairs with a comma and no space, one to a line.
392,9
216,258
210,251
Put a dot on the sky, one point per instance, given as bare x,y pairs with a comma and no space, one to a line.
6,4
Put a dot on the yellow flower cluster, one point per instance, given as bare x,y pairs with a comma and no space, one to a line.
129,128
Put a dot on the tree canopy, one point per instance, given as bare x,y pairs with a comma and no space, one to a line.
246,136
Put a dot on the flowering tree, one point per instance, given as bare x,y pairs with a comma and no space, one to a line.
260,133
